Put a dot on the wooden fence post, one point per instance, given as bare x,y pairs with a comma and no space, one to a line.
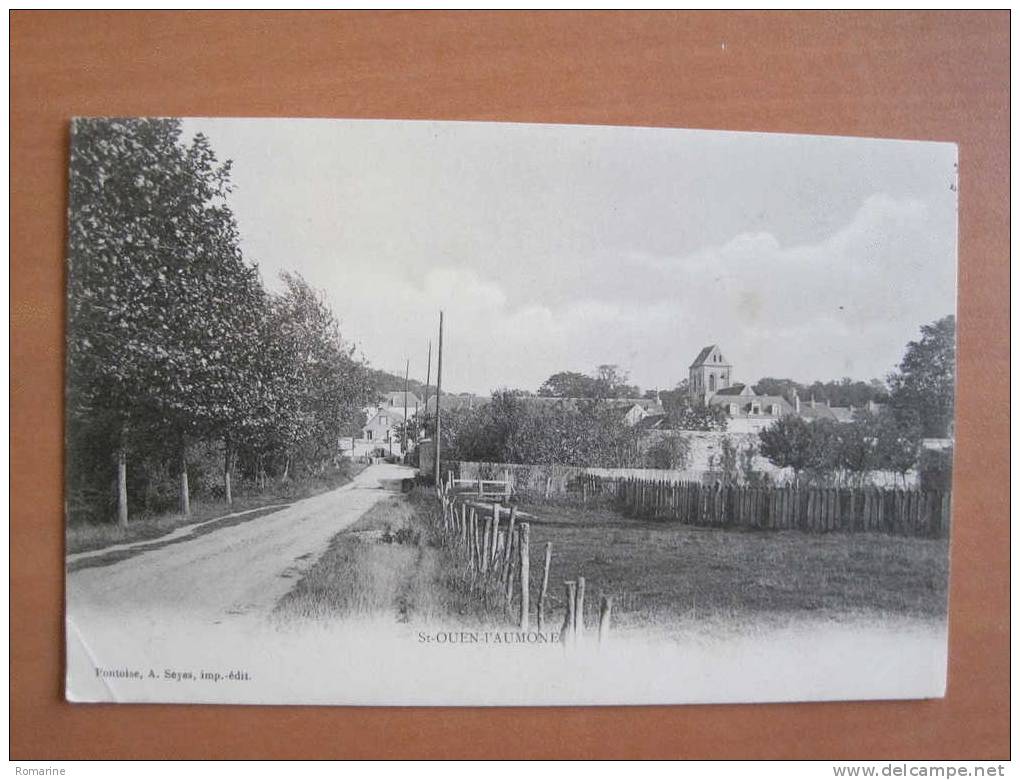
514,549
545,587
525,574
605,613
579,609
473,538
509,543
567,632
496,512
486,543
476,538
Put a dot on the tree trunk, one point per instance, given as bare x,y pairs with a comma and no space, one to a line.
286,469
185,502
228,455
262,472
122,503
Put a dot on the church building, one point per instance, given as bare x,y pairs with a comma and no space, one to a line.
709,373
710,381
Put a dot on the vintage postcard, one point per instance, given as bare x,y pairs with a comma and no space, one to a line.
457,413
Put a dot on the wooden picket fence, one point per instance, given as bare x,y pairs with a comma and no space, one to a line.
922,513
493,544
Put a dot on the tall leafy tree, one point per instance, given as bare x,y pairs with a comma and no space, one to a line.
156,282
569,384
898,442
612,382
794,443
608,381
323,384
924,385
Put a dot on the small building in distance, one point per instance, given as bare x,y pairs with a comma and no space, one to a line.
382,431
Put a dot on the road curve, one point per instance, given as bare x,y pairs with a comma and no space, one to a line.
232,574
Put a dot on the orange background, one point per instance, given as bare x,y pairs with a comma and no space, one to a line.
939,76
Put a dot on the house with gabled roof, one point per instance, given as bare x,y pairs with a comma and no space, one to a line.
394,399
382,430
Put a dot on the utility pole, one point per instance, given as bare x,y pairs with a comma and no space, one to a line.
428,380
439,395
403,443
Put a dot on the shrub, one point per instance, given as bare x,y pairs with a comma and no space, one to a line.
936,469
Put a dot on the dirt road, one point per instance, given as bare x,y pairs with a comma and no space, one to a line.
232,574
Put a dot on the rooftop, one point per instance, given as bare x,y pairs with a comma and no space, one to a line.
706,352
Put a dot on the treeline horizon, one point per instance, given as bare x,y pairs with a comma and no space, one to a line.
610,382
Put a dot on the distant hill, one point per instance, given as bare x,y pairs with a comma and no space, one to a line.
385,382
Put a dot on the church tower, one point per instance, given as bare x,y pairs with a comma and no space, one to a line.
709,373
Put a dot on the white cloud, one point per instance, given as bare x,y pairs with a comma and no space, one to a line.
554,248
843,306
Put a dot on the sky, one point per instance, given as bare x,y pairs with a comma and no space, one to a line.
558,248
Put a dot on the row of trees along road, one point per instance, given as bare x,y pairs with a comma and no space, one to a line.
176,351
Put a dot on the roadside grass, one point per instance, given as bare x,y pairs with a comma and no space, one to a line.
668,576
86,537
388,563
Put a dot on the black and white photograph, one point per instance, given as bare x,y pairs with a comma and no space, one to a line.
379,412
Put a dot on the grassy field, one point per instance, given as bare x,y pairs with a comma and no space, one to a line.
667,576
82,538
388,564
